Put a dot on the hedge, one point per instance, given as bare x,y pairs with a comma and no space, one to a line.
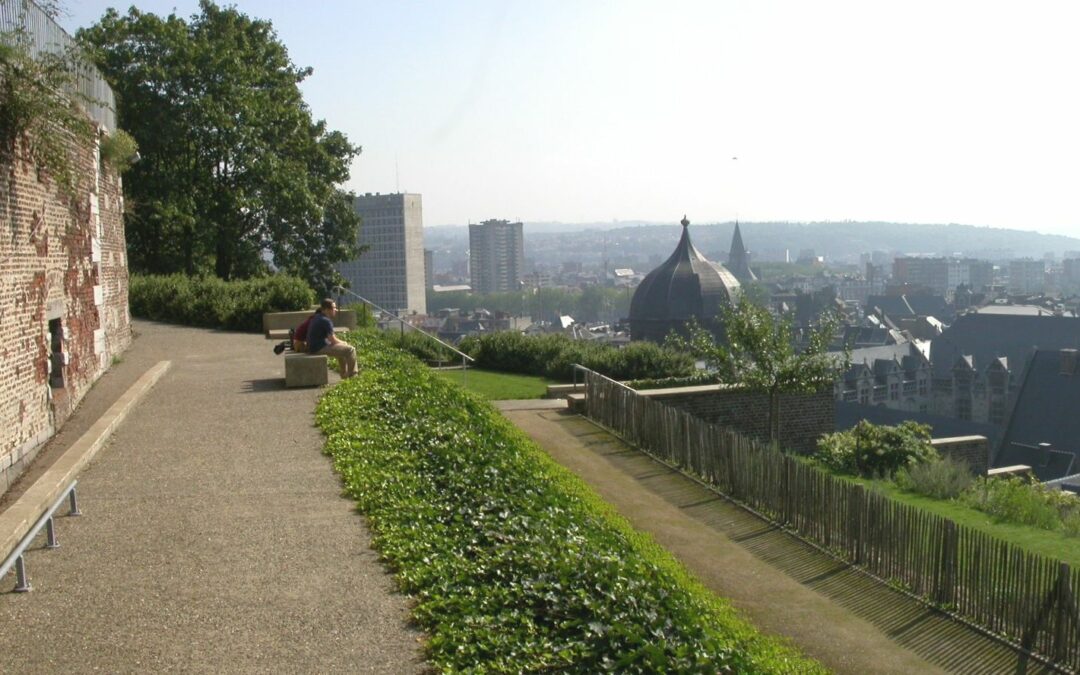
215,303
553,356
514,563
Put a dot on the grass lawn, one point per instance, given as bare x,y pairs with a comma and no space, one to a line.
1050,544
498,386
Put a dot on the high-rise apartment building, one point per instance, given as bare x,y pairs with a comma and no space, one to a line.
1027,276
496,256
943,275
391,272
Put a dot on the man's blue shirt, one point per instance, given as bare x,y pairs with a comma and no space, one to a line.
319,332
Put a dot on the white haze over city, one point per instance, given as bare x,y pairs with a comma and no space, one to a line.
928,112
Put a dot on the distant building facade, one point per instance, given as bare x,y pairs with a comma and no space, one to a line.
892,376
1070,274
496,256
1027,276
391,273
943,275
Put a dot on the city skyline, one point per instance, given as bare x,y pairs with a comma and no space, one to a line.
594,112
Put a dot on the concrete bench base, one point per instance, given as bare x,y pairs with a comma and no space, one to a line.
305,370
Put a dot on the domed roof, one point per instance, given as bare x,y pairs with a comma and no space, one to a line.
686,285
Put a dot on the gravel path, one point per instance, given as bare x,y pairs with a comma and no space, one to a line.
214,537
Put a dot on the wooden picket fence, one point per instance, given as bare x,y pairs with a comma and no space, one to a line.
1026,598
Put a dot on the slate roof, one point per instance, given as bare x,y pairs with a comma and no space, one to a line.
900,306
1045,412
858,337
988,336
898,352
686,285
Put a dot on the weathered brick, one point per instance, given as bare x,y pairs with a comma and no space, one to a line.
54,251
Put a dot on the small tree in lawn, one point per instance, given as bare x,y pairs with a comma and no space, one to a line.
759,354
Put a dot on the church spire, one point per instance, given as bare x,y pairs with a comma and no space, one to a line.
738,260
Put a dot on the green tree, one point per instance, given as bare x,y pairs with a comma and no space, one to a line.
760,353
233,165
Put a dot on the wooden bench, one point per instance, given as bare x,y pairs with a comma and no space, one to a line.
305,370
276,325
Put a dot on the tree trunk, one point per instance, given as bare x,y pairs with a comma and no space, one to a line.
223,263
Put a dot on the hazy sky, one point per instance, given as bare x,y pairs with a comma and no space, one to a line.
584,110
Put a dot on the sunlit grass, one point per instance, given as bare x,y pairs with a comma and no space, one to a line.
1056,545
496,386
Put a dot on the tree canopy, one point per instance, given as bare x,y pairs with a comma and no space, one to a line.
759,353
232,164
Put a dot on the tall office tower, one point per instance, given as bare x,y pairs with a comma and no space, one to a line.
496,256
429,267
391,272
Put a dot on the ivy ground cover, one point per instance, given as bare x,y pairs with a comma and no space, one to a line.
515,565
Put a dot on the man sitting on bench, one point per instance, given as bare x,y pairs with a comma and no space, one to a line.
321,339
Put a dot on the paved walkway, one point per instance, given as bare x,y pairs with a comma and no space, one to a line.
214,537
836,615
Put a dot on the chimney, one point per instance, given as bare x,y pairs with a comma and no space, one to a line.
1068,361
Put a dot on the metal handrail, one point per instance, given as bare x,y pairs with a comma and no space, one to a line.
341,290
16,557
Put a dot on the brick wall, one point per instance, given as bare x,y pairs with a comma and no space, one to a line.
803,417
974,450
62,260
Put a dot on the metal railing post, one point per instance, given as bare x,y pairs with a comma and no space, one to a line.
22,584
73,504
50,534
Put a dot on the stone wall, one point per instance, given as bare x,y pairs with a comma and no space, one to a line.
803,417
63,296
973,450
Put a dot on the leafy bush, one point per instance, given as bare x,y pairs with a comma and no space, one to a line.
875,450
946,478
215,303
553,356
421,346
1071,524
701,378
515,565
119,150
1015,500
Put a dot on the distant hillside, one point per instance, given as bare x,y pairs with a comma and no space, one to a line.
635,242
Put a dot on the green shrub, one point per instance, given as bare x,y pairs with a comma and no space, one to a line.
119,150
1071,524
1015,500
946,478
701,378
421,346
553,356
214,303
875,450
514,564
